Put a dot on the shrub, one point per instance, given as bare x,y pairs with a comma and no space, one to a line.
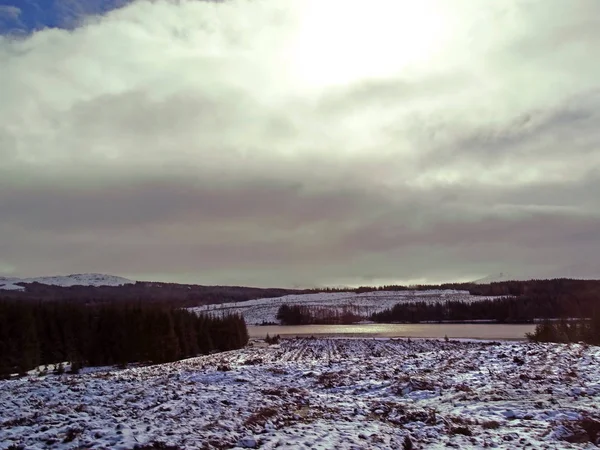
490,425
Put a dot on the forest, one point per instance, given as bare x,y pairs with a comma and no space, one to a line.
180,295
34,333
520,302
309,315
568,331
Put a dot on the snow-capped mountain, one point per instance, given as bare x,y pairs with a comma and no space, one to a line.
82,279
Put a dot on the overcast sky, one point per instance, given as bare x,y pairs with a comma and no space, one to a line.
301,143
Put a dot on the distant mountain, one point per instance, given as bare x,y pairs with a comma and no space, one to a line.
502,276
98,288
82,279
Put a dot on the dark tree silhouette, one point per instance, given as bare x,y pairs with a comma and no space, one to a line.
34,333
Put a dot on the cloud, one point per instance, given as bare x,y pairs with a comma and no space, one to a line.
10,21
195,141
10,12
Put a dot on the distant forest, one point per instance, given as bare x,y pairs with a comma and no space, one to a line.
189,295
517,302
34,333
179,295
520,302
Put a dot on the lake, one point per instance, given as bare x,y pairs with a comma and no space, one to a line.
429,330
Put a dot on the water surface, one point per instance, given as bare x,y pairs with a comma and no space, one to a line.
428,330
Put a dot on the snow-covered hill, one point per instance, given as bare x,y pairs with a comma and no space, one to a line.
81,279
263,310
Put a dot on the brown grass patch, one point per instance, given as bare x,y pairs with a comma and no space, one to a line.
260,417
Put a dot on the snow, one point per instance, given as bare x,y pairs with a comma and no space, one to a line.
264,310
9,285
321,394
84,279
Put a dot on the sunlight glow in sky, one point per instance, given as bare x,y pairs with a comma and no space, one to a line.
343,42
301,142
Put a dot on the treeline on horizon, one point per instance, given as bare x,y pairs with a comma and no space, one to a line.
189,295
501,310
517,302
177,295
44,333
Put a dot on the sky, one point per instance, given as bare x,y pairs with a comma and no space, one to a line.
300,143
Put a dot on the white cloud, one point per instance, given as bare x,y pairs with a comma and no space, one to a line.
455,105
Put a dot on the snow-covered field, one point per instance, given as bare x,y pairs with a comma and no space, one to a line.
263,310
321,393
82,279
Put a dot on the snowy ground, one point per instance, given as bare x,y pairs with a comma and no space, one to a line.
321,393
80,279
262,310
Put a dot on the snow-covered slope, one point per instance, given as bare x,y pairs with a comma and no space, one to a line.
321,394
82,279
263,310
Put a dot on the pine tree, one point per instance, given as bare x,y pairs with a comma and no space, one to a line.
28,355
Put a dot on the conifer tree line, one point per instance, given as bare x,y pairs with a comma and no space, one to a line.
574,318
521,309
309,315
568,331
517,302
41,333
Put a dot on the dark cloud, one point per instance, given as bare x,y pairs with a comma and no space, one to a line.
165,201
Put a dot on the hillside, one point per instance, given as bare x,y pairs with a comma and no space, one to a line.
320,394
264,310
82,279
106,288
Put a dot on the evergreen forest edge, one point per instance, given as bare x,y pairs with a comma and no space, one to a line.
34,333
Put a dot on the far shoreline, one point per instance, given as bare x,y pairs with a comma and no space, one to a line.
488,331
